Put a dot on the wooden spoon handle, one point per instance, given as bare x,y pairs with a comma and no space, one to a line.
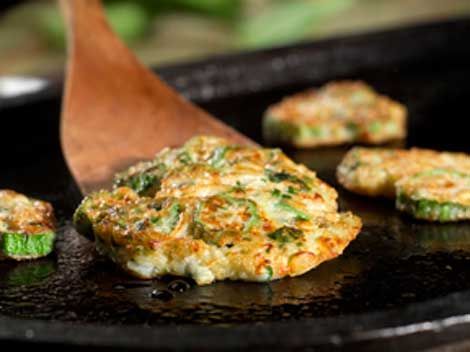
115,111
89,33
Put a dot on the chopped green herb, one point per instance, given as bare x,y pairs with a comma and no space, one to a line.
353,128
254,219
238,187
218,157
299,215
374,127
276,193
269,271
167,223
291,190
121,223
285,235
141,183
281,176
185,158
315,131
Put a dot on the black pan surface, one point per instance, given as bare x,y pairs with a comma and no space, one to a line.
400,283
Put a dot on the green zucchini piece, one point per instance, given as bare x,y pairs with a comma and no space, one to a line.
432,210
26,246
436,195
27,226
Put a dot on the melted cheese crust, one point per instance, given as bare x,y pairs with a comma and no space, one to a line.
23,215
340,112
213,211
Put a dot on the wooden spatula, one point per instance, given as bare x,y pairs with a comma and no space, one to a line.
114,110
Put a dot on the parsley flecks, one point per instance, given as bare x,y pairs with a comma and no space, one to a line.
154,219
278,194
299,215
238,187
280,176
374,127
269,270
166,224
352,127
285,235
254,218
218,156
142,182
185,158
291,190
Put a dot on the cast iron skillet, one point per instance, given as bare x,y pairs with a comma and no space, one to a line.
401,284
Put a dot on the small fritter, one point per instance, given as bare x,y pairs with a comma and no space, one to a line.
435,195
27,227
375,171
338,113
213,211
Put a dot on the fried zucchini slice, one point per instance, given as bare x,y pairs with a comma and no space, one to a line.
338,113
375,171
27,229
435,195
218,211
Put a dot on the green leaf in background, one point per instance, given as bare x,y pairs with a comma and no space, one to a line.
217,8
286,21
129,20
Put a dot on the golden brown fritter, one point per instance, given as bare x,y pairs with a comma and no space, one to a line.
338,113
213,211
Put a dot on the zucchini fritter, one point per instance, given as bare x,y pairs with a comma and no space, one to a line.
27,229
338,113
375,171
435,195
212,211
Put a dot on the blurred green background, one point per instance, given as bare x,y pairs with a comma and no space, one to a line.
168,31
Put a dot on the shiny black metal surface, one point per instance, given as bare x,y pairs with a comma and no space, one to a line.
400,283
